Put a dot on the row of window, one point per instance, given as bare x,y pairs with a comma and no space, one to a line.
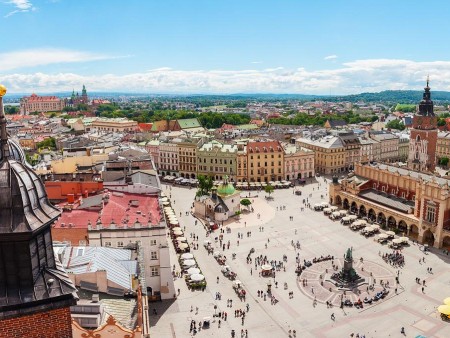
265,156
216,161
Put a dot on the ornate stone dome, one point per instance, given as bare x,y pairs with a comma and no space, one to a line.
15,152
31,280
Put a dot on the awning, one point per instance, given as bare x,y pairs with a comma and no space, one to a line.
187,256
444,309
189,262
266,267
192,271
197,277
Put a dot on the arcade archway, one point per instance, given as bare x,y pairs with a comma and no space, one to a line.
428,238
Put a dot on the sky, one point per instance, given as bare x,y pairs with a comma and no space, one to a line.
224,46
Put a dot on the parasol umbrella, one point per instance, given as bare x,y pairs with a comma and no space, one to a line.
346,219
334,208
189,262
197,277
327,210
397,241
163,199
193,271
383,236
266,267
176,228
343,212
447,301
390,233
353,217
178,233
183,246
444,309
237,282
206,242
181,239
216,254
225,268
187,256
375,226
166,203
404,239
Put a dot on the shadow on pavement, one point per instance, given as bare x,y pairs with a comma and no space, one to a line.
161,308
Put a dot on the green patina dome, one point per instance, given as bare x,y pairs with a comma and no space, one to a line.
226,189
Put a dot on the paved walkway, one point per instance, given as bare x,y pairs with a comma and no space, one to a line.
412,309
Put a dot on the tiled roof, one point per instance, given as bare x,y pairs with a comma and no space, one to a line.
188,123
117,209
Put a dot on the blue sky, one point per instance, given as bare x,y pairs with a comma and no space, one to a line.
224,46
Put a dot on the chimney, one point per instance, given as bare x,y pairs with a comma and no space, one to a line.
95,298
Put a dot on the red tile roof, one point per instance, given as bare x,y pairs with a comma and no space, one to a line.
119,209
268,146
35,98
145,126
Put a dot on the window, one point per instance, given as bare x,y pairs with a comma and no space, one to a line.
107,244
153,242
154,271
120,244
431,213
153,255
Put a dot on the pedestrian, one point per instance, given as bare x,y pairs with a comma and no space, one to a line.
332,316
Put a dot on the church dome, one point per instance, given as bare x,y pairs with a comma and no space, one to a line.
226,189
15,152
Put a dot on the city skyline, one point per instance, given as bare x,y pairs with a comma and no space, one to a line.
185,47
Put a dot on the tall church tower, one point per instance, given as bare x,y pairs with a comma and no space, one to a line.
84,96
35,291
424,133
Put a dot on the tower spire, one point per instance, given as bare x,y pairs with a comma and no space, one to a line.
428,81
4,148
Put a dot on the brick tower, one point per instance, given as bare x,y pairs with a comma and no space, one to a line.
35,291
424,133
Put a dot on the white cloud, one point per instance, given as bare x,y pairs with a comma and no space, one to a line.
330,57
41,57
256,62
21,6
357,76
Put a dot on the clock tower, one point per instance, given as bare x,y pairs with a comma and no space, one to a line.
424,133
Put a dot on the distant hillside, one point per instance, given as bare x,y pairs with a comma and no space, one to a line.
392,96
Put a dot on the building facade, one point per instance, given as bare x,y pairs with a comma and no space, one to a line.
168,159
409,202
265,161
217,160
298,163
443,145
119,124
329,153
388,146
187,157
241,158
40,104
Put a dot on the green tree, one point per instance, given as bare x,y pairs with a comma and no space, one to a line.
49,143
444,161
441,122
395,124
268,189
405,108
246,202
11,110
205,184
